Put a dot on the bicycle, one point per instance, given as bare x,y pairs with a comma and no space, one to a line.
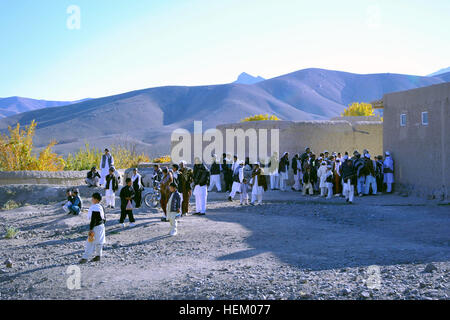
152,198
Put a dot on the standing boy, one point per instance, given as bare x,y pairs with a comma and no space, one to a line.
173,208
96,238
126,207
307,181
111,186
329,181
244,192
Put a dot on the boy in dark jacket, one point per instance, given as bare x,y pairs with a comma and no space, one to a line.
173,208
77,203
126,198
307,181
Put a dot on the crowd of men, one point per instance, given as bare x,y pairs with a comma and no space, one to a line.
328,175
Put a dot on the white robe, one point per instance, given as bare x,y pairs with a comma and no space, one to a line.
389,163
105,171
236,187
321,173
99,234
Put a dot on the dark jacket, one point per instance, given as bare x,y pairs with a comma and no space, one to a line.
294,165
283,163
215,169
348,171
313,173
185,179
92,175
303,160
126,192
96,220
201,175
111,178
307,177
158,175
176,202
358,164
369,168
259,174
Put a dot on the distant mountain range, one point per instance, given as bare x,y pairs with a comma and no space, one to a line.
245,78
147,117
442,71
14,105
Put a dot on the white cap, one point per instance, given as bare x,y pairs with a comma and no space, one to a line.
388,153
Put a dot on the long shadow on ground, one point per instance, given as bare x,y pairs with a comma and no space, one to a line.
317,236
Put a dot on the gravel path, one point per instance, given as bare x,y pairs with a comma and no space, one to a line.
292,247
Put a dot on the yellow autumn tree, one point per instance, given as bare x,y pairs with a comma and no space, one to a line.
163,159
260,117
16,151
358,109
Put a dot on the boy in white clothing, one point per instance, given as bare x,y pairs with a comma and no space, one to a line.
96,238
244,192
329,181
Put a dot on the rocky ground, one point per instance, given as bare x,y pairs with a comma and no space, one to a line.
292,247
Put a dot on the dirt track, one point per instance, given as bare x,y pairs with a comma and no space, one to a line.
292,247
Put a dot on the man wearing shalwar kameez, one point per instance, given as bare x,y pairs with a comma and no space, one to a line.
388,170
238,177
201,182
96,239
297,169
348,173
259,184
106,163
136,179
283,168
273,170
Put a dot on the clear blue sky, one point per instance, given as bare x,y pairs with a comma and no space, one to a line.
124,45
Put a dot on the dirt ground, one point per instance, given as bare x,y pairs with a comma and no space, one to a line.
291,247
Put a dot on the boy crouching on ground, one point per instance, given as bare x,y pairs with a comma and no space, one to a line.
96,237
173,208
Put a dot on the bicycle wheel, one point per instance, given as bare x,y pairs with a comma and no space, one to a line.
148,200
